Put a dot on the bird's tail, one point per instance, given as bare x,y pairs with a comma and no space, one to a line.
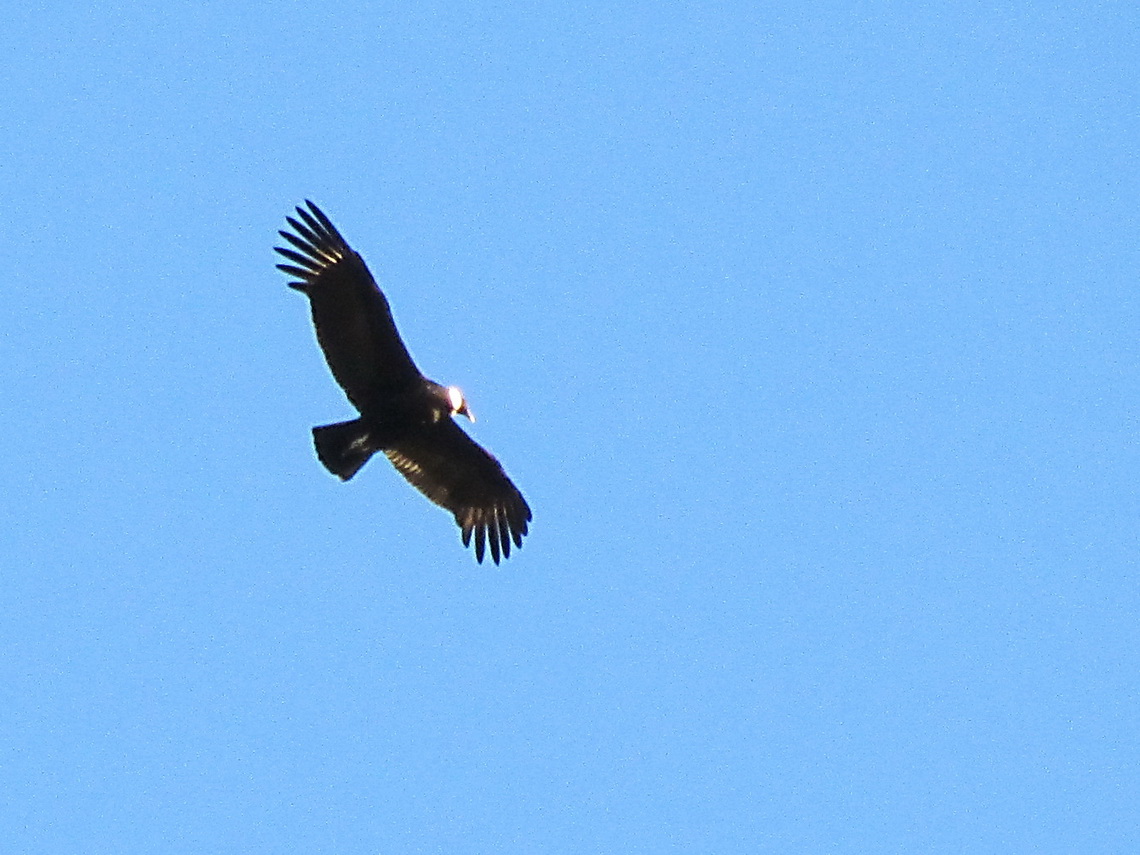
344,447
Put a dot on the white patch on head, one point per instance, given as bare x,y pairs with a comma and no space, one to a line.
455,397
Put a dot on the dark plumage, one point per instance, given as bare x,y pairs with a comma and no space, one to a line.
402,413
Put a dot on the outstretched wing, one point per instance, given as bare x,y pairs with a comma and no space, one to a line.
455,472
350,313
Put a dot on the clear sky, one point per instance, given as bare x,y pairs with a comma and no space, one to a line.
810,333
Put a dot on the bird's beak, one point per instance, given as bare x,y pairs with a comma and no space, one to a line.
466,412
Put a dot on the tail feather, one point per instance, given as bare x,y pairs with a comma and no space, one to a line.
344,447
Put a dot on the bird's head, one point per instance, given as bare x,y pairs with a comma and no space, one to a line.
458,403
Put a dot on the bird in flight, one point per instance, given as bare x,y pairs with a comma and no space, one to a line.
402,412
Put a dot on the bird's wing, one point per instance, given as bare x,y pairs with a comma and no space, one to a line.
455,472
350,313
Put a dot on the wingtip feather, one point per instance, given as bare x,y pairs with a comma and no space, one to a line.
480,536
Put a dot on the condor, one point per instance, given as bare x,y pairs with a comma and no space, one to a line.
402,413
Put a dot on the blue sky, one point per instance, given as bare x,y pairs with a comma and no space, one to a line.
810,334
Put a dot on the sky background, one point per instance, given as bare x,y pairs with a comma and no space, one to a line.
809,332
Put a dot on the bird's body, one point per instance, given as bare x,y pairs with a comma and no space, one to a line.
402,413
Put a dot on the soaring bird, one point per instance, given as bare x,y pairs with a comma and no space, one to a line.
402,412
